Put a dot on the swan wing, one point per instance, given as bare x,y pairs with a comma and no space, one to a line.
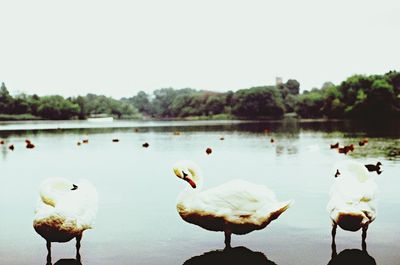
236,199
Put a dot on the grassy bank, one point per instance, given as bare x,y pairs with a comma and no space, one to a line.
18,117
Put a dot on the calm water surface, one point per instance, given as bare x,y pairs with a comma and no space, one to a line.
137,222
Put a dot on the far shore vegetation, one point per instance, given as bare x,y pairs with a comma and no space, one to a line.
358,97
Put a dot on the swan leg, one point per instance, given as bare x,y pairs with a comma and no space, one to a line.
78,247
364,237
48,245
228,234
333,246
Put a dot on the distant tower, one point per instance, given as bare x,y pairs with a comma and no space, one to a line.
278,81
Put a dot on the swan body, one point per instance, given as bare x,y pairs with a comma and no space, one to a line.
64,210
237,206
352,203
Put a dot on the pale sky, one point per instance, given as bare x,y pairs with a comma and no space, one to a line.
118,48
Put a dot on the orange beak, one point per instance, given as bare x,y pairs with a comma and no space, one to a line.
190,181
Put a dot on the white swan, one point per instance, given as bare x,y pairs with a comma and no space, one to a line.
352,203
237,207
64,210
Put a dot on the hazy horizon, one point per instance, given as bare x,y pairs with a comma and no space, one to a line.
119,48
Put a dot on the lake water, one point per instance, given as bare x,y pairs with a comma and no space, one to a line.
137,222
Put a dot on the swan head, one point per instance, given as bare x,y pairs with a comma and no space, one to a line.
54,188
187,171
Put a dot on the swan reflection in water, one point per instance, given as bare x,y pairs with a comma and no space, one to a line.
68,262
236,256
351,256
76,261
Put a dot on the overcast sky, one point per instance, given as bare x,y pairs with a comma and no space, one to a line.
120,47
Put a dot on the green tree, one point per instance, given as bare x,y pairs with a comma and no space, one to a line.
6,99
258,102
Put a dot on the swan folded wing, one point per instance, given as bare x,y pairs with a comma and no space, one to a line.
75,210
353,198
236,202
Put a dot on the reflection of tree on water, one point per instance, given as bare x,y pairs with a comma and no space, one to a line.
236,256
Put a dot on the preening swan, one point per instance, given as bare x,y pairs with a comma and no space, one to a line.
237,207
64,210
352,198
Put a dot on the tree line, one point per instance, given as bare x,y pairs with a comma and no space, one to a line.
359,96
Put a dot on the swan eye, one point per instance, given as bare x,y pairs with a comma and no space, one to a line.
75,187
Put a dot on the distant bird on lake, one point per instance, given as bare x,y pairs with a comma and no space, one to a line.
335,146
237,207
11,147
222,138
78,143
374,168
30,145
363,142
272,140
85,141
64,211
115,140
2,142
145,145
352,204
337,174
208,150
346,149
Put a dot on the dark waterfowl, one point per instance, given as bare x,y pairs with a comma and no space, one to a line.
363,142
145,145
78,143
208,150
272,140
2,142
11,147
350,147
85,141
222,138
343,150
30,145
337,174
115,140
335,146
374,168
